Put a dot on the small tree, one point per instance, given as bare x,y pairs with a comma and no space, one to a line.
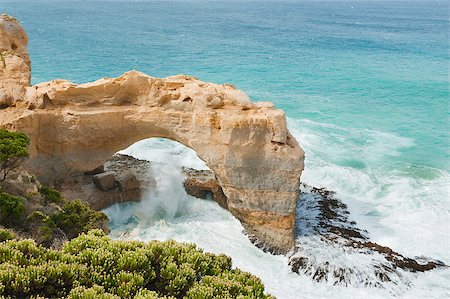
13,151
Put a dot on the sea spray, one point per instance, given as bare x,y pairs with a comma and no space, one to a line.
216,230
168,199
397,202
355,65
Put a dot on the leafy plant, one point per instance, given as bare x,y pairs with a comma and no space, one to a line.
42,227
11,209
51,194
77,217
94,266
6,234
13,150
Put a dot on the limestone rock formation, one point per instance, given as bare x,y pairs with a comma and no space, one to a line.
201,183
15,69
127,181
74,128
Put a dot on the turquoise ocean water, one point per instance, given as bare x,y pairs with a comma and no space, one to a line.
365,86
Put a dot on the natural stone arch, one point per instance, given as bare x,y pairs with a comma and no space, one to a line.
74,128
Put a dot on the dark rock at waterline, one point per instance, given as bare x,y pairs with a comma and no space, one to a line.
324,223
420,265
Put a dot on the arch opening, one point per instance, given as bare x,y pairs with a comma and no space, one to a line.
74,128
167,165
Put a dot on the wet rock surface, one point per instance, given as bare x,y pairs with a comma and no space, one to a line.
124,178
324,224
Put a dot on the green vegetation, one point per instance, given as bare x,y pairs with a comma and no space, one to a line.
13,150
6,234
94,266
50,194
77,217
45,216
41,227
35,217
12,209
91,265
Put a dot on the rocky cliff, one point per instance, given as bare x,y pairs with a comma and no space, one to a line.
74,128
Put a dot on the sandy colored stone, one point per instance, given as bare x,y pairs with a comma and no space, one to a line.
15,68
201,183
74,128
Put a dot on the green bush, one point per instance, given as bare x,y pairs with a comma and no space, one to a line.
42,227
77,217
6,234
13,148
94,266
50,194
11,209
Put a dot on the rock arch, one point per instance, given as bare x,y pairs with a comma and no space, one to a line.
74,128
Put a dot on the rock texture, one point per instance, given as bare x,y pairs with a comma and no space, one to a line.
74,128
127,181
104,181
203,183
331,248
101,193
15,69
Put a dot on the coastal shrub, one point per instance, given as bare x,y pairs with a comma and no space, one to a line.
6,234
94,266
13,150
42,227
11,209
77,217
95,292
50,194
228,285
48,223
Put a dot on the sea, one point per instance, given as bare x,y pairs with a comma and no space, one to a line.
365,88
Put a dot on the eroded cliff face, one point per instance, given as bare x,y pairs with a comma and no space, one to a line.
74,128
15,66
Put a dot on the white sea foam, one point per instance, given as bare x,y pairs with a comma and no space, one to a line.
406,213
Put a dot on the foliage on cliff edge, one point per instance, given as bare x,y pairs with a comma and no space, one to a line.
47,222
13,150
94,266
